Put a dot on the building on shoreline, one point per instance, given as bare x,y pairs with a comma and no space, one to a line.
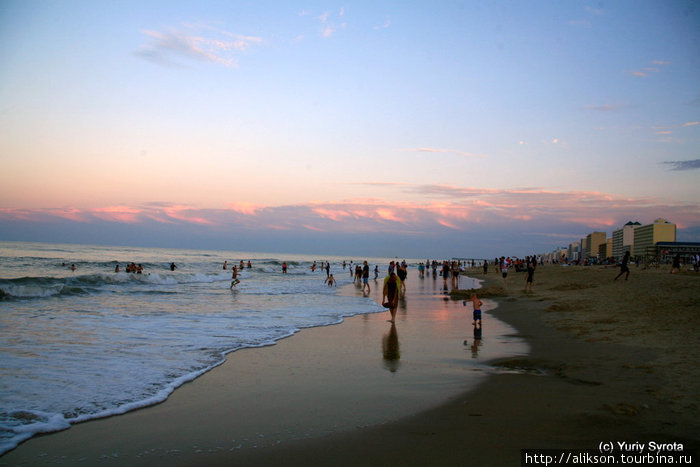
623,239
686,250
592,244
647,236
651,242
605,249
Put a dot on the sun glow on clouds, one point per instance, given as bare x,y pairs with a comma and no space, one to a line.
118,213
245,208
187,214
461,209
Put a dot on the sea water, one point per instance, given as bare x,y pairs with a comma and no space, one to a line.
88,343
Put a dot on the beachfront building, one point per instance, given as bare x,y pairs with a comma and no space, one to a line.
605,249
592,242
574,251
623,239
687,250
647,236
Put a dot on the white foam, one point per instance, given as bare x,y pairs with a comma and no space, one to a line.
130,339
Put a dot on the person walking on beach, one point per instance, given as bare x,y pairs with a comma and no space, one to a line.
365,277
402,273
376,271
504,270
445,273
624,267
455,275
390,294
676,265
358,275
530,273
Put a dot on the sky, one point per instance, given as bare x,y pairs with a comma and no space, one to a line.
380,128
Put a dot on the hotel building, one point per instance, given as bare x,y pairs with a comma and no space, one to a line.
647,236
623,239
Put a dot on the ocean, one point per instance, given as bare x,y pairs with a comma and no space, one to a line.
87,343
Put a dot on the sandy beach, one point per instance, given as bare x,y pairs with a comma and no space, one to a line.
608,361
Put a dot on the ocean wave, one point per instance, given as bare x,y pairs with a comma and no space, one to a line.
44,287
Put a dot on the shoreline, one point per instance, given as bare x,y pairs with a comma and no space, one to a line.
591,375
334,378
587,380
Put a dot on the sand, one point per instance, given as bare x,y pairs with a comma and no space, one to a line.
608,361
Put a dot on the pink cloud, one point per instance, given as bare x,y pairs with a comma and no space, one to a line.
458,209
71,214
187,214
245,208
387,214
332,214
118,213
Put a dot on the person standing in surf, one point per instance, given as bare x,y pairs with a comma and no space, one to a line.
234,277
365,277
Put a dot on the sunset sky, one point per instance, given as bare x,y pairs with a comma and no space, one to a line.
380,128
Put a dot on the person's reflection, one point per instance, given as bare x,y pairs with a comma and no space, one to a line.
477,340
390,349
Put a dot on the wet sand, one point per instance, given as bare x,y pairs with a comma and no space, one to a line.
318,383
608,361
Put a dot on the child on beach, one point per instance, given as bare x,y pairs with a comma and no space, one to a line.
477,308
330,280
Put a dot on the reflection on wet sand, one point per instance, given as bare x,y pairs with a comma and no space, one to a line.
476,343
390,349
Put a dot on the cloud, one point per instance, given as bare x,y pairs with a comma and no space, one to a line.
196,42
691,124
328,25
245,208
683,165
386,24
646,71
449,218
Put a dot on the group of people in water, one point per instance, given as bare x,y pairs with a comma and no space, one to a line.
131,268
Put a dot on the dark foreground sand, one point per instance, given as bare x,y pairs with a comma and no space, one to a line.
608,361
